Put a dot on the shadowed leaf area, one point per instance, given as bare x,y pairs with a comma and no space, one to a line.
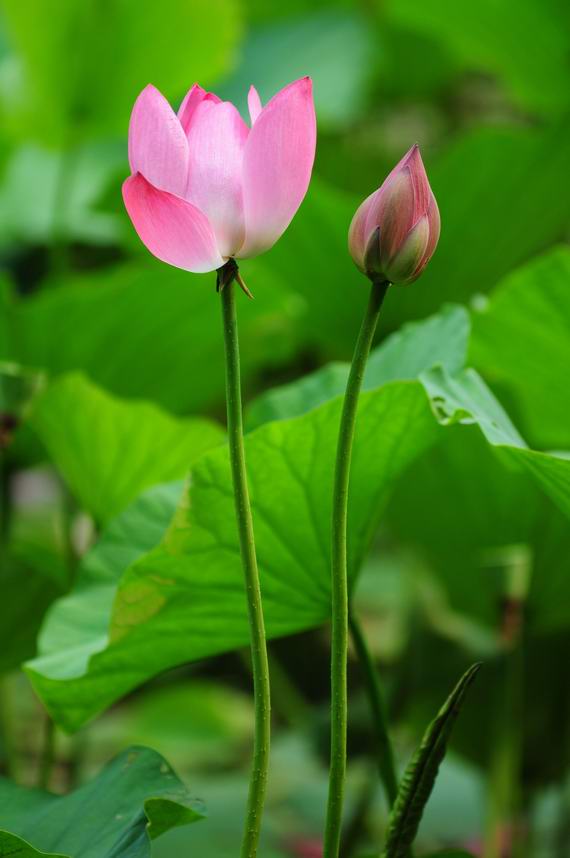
136,798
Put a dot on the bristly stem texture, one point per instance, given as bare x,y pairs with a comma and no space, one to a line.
339,579
260,667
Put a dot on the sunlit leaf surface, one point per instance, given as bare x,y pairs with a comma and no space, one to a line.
185,599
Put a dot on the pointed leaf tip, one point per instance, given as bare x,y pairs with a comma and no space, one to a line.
420,776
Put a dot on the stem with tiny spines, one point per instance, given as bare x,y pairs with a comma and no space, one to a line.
259,661
339,570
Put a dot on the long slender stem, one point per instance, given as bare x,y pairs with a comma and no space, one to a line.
339,581
260,667
9,752
47,758
9,762
504,790
385,752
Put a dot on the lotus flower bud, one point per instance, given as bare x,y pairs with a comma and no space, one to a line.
395,231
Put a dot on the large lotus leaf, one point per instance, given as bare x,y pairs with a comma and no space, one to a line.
76,70
185,598
521,341
440,339
136,798
498,39
73,626
110,450
153,332
73,631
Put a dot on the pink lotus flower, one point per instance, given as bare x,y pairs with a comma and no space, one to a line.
204,186
395,231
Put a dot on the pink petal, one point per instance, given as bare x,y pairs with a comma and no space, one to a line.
158,148
278,160
393,211
254,104
409,260
192,99
434,226
171,228
358,237
216,140
434,230
420,182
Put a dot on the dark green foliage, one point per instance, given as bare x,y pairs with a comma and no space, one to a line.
136,798
121,590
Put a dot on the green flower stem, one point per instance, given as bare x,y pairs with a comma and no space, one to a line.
504,790
9,761
384,748
47,758
339,581
260,667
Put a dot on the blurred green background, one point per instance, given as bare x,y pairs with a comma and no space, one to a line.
484,88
